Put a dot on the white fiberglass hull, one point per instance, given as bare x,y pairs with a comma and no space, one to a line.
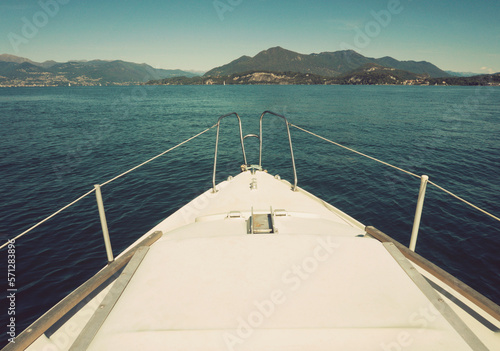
257,266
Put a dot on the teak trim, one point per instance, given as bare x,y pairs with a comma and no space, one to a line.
469,293
446,312
42,324
90,330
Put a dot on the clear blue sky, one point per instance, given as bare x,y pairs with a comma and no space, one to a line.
459,35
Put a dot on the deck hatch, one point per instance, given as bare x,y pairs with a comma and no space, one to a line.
261,223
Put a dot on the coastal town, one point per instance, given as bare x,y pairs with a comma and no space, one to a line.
46,79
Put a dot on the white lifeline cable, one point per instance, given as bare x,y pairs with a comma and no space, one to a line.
107,182
402,170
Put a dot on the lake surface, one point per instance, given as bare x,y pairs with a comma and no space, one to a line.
57,142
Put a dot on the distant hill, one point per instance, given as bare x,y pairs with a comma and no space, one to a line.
372,73
420,67
248,78
369,74
482,80
21,71
462,74
328,64
14,59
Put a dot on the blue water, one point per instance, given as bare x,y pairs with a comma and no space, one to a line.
57,142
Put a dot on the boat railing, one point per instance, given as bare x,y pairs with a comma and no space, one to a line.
97,188
259,136
424,180
217,144
289,142
100,204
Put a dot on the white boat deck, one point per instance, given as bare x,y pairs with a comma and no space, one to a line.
294,293
236,195
315,283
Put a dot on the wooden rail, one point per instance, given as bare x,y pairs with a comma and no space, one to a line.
90,330
469,293
41,325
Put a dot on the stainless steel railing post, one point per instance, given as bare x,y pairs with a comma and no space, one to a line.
418,212
104,223
214,190
294,188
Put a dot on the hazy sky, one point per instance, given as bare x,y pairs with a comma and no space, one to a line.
459,35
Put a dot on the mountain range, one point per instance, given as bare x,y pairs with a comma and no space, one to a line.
339,67
327,64
16,70
368,74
